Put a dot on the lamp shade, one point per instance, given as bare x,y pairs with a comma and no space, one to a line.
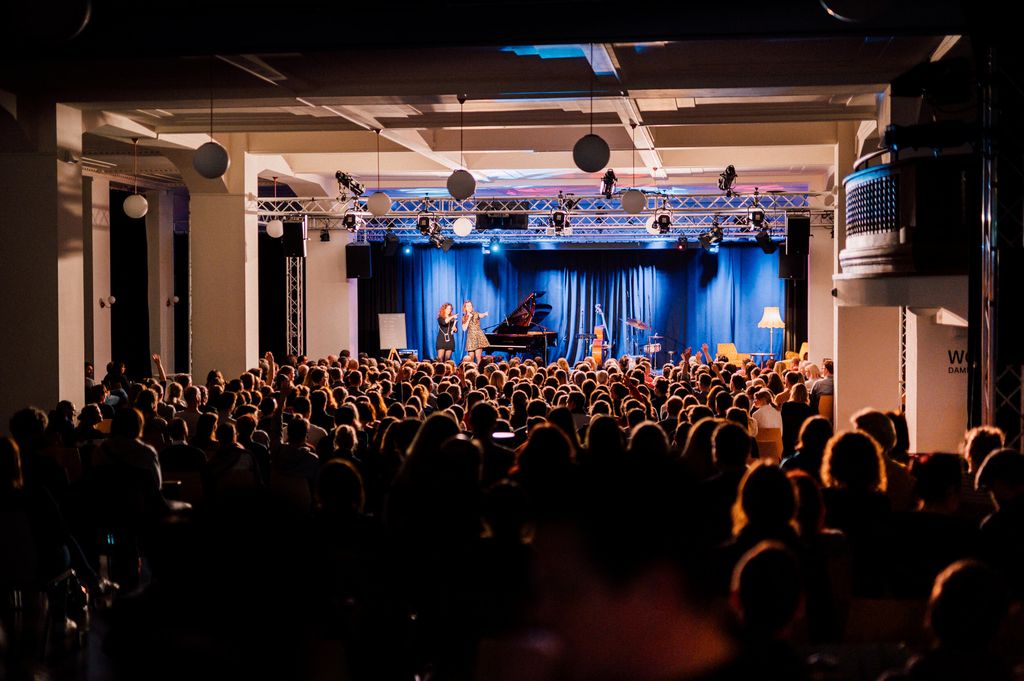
211,160
591,153
462,226
379,204
136,206
633,201
461,185
275,229
771,319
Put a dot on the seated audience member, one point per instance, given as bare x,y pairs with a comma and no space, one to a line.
497,459
968,606
1002,532
27,428
979,442
179,456
795,411
623,551
901,450
205,435
125,447
231,466
764,510
899,485
765,413
810,447
768,601
853,475
825,385
295,458
730,449
929,539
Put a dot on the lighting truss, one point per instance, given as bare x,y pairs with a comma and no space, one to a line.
594,218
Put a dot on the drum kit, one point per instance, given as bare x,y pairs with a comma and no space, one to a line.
650,348
653,345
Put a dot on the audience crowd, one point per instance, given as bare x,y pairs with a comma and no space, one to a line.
385,519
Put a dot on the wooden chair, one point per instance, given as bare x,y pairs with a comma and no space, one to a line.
825,407
731,353
769,443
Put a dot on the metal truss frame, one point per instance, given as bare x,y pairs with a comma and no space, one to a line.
590,219
295,305
903,357
1002,245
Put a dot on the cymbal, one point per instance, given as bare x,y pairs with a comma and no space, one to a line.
638,324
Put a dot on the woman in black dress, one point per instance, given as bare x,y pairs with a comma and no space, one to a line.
447,324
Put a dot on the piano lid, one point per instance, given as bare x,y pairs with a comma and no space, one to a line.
527,314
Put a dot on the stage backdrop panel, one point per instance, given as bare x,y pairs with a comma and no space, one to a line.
689,297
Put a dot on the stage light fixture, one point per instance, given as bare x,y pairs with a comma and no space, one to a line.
663,221
681,243
726,180
755,216
325,236
407,249
764,240
710,239
351,222
349,183
608,183
495,246
423,223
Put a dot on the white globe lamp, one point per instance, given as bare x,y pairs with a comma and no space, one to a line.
211,160
136,206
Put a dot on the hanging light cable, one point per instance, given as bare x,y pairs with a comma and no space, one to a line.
275,228
211,160
135,205
379,203
461,183
591,152
633,200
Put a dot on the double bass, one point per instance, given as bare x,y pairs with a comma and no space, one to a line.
600,343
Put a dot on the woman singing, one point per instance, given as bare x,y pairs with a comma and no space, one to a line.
447,325
476,341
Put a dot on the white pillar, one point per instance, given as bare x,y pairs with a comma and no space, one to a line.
224,290
820,301
936,382
96,225
160,253
42,337
331,298
867,360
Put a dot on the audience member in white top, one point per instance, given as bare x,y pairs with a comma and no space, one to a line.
765,413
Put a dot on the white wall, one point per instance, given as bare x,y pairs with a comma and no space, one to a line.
866,361
160,251
96,203
820,301
936,383
331,298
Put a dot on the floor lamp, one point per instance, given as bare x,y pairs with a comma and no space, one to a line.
771,320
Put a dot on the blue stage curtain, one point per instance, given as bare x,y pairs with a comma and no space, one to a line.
689,297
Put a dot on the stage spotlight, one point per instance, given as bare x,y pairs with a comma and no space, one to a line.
495,246
726,180
755,216
710,239
391,244
423,223
681,243
443,242
664,222
407,249
608,183
346,181
559,218
351,222
325,235
764,240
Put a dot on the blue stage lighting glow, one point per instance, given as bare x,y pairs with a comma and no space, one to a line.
407,249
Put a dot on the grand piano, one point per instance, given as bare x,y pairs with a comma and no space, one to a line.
520,331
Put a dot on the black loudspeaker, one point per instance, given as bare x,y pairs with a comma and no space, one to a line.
293,242
792,266
798,234
357,261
